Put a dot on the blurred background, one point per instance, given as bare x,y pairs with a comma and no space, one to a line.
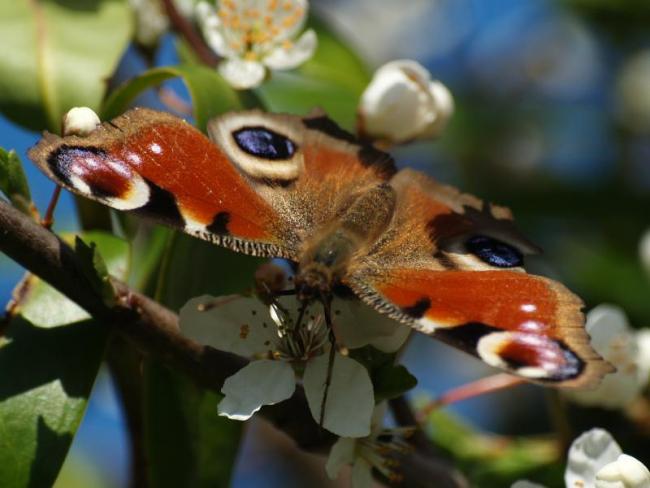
552,119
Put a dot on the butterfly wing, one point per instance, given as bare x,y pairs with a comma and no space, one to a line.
257,185
451,267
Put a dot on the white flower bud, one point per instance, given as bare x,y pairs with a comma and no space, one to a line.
80,121
402,104
625,472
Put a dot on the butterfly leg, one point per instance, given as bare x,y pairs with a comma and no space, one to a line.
327,309
48,220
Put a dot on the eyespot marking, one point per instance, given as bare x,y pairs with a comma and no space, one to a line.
533,356
494,252
264,143
95,173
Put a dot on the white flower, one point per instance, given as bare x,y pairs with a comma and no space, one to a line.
402,103
595,460
612,337
80,121
247,327
253,35
625,472
366,453
150,21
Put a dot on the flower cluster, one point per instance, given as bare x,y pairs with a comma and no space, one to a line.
287,344
255,35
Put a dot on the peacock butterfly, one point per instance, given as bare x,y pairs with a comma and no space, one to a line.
303,189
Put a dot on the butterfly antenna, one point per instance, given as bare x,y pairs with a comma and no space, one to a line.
327,302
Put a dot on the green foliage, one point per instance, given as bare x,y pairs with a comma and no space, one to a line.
51,351
211,95
389,380
332,80
13,182
48,308
72,48
492,460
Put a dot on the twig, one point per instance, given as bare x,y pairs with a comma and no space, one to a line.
182,26
154,330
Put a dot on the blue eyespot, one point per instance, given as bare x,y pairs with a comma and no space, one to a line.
494,252
264,143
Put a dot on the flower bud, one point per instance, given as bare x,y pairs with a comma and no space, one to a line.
402,103
625,472
79,121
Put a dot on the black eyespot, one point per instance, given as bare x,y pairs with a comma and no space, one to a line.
264,143
494,252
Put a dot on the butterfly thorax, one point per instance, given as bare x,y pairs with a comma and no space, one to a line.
327,253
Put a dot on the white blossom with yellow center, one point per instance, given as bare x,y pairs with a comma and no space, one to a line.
255,35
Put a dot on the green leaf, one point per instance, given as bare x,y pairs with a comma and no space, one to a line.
198,447
13,182
48,375
195,447
48,308
391,381
333,80
50,353
211,95
94,269
57,55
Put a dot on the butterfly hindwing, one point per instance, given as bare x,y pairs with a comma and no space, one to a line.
452,267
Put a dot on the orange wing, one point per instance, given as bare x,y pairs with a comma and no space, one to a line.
258,185
452,267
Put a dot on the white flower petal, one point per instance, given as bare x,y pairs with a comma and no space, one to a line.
357,325
295,55
625,472
259,383
233,324
80,121
350,400
295,27
444,103
643,356
151,21
613,339
587,455
361,474
241,74
341,454
211,27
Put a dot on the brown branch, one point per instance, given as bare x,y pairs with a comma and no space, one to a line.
193,38
154,330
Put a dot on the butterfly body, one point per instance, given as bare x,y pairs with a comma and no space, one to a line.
440,261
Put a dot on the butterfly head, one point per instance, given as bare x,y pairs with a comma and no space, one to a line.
313,282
